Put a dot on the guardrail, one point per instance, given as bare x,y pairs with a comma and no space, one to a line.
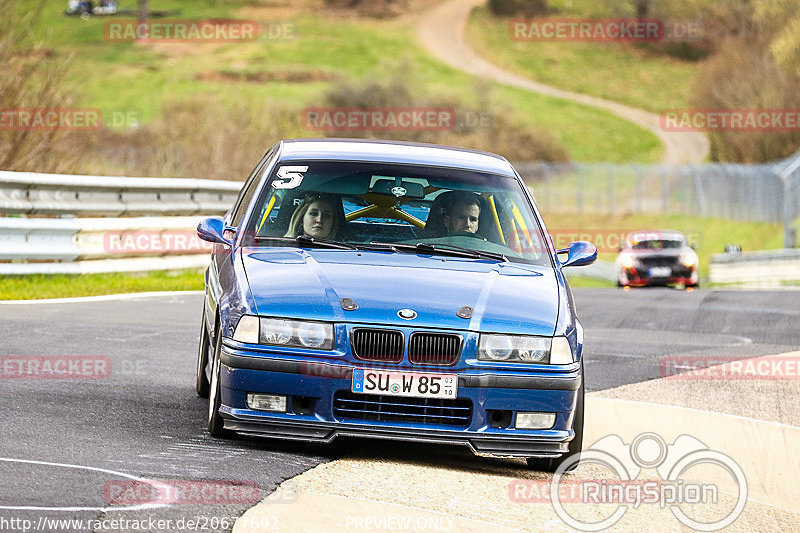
150,222
769,268
30,193
600,269
94,245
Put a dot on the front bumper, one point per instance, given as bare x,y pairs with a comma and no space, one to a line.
639,277
317,381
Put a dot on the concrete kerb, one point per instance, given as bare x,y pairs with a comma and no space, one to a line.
764,451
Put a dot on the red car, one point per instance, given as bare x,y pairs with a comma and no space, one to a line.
657,257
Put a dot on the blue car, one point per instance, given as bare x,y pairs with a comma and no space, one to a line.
392,290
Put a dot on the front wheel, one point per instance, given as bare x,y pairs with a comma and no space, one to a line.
216,425
551,464
203,354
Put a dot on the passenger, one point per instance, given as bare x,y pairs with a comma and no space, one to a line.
318,216
463,213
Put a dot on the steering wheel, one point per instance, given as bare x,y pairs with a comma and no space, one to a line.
466,234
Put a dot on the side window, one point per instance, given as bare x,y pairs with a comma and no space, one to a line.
248,191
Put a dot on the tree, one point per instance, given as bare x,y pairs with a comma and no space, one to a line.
30,80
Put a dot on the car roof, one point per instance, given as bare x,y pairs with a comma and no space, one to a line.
394,152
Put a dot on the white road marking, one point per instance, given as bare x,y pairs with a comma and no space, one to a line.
100,298
139,507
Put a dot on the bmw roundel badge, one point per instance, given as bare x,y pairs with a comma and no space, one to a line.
407,314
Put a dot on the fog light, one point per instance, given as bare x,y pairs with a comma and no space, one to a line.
266,402
535,420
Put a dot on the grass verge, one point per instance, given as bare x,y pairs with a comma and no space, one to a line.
35,287
614,71
709,234
135,80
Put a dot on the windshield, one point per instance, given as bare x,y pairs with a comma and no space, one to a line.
657,245
361,203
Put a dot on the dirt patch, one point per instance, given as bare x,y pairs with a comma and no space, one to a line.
287,76
179,49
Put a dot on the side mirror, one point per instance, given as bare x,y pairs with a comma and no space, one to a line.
693,246
213,230
579,253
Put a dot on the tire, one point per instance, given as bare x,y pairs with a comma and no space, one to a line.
216,425
551,464
693,286
202,385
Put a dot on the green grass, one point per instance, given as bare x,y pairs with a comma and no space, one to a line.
619,72
123,77
576,281
33,287
709,234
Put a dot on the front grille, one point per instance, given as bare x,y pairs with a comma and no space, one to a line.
434,348
384,345
659,260
457,412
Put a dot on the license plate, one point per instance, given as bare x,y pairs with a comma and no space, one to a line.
412,384
660,272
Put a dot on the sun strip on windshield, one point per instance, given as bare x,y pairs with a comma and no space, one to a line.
522,226
496,218
266,213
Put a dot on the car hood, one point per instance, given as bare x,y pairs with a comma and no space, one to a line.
671,252
504,297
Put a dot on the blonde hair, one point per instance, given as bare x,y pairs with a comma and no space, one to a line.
296,222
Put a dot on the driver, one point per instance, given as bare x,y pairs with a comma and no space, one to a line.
463,213
317,216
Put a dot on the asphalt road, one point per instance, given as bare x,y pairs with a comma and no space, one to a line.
144,418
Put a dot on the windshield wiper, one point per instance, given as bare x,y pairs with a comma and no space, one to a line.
451,248
305,240
444,249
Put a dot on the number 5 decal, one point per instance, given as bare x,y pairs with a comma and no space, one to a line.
289,177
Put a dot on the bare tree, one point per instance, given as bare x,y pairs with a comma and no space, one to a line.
30,80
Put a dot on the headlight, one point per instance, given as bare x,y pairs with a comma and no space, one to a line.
689,259
276,331
514,348
626,260
313,334
284,332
